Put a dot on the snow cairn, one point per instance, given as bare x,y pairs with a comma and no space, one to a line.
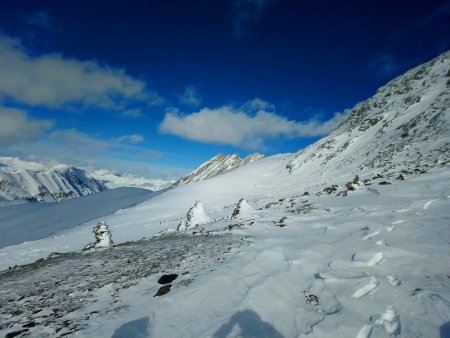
103,236
243,210
195,216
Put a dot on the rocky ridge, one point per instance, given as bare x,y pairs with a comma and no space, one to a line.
217,165
405,125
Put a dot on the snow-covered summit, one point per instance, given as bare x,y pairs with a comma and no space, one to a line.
22,181
218,165
404,125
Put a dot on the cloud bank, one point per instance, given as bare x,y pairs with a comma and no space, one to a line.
51,80
17,127
240,127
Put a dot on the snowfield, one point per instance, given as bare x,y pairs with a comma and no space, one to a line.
349,237
370,264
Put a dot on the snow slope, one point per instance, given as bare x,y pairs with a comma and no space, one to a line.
318,251
32,221
405,124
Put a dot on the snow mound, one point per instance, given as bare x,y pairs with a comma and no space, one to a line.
195,216
243,210
103,236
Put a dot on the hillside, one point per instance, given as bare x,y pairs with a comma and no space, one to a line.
346,238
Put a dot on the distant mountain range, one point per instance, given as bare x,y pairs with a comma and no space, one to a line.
22,181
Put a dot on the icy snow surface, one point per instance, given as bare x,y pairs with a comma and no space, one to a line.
320,274
347,238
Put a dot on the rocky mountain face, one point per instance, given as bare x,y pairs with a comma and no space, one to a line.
33,183
404,126
217,165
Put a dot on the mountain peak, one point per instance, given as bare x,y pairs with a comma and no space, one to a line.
217,165
405,124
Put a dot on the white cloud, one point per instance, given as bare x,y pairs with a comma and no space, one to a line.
17,127
73,147
238,127
134,139
53,81
133,113
190,96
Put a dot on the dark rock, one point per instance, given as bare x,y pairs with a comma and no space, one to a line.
311,299
401,177
281,223
342,193
29,324
305,193
163,290
377,176
356,179
350,186
15,333
416,291
331,189
384,183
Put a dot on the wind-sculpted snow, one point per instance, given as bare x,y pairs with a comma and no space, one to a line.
352,241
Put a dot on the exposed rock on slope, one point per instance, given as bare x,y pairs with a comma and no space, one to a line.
405,125
217,165
40,184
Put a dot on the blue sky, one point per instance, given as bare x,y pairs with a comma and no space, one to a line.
158,87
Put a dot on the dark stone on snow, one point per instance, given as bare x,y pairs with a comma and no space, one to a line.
29,324
342,193
384,183
401,177
163,290
15,333
166,279
311,299
350,186
280,223
356,179
331,189
305,193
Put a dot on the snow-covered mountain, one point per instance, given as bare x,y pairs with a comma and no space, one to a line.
217,165
405,125
347,238
29,181
114,180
